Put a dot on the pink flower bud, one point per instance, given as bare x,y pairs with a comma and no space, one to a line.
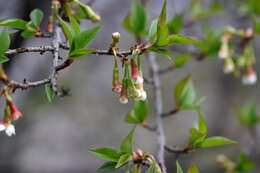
15,113
134,70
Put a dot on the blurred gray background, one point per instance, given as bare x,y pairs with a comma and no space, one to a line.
54,138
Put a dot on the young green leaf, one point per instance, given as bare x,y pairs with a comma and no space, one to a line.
69,32
79,53
196,137
36,16
138,18
256,25
180,39
126,145
3,59
27,34
245,164
202,125
84,38
181,60
139,113
175,24
123,160
4,41
184,94
108,154
152,35
248,116
179,169
74,24
108,166
216,141
14,23
193,169
162,29
49,92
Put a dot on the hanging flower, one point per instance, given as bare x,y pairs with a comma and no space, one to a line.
8,128
136,75
229,66
124,92
15,114
250,77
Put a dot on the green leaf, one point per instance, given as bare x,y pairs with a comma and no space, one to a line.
256,25
202,125
181,60
69,32
108,166
3,59
27,34
49,92
123,160
245,164
36,16
196,137
126,145
185,95
193,169
84,38
109,154
14,23
80,53
176,24
211,42
4,41
162,29
74,23
139,113
179,169
127,24
152,35
216,141
138,18
181,39
247,115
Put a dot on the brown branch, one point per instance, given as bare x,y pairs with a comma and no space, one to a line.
171,112
148,127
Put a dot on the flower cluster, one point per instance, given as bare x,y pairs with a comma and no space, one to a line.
234,63
132,83
11,113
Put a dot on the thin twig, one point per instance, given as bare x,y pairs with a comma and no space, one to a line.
171,112
154,70
40,49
